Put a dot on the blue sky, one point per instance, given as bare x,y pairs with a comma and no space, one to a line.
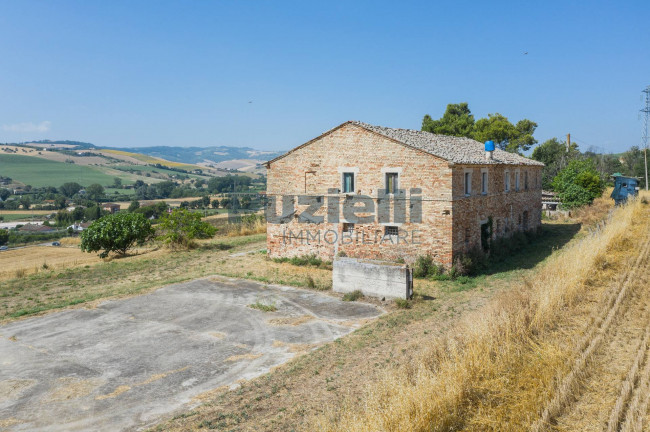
138,73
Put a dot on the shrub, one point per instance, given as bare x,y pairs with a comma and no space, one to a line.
422,266
181,226
353,296
310,282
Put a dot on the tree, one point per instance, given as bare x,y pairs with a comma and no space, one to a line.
116,233
60,202
205,201
457,121
181,226
555,156
135,204
215,203
578,184
506,136
117,183
70,189
4,236
4,193
95,192
26,202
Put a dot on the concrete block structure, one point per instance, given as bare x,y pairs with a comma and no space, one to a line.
374,192
372,278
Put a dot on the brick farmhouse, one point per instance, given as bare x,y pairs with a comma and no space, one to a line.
411,192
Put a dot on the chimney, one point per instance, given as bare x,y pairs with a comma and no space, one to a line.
489,149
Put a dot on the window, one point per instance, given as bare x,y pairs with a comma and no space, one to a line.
525,180
468,183
517,180
484,182
391,230
507,181
391,183
348,228
348,182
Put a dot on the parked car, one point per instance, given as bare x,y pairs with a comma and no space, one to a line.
3,248
56,243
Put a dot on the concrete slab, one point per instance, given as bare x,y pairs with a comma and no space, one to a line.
125,363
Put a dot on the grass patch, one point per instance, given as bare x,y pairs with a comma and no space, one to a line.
306,261
403,303
352,296
263,306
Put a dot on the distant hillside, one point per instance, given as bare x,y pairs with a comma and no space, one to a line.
195,155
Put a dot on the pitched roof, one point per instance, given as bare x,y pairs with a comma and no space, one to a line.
459,150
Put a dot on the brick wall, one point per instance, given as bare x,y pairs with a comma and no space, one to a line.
316,169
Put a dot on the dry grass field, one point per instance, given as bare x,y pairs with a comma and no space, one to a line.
529,361
371,379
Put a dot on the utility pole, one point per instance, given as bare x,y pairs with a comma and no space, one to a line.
646,116
568,142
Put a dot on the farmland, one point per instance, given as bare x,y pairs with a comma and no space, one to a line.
40,172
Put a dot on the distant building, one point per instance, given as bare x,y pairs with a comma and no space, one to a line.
33,228
111,207
78,227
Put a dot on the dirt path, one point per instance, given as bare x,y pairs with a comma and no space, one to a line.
613,370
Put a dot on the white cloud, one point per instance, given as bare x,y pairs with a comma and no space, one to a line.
43,126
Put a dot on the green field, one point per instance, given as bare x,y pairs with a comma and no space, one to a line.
41,172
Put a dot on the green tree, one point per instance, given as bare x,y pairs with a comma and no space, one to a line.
555,156
116,233
578,184
26,202
4,236
633,162
117,183
70,189
60,202
135,204
506,136
457,120
4,193
215,203
95,192
181,226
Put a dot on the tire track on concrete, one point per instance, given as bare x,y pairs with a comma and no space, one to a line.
589,345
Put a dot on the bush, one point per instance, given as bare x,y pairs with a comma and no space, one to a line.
181,226
422,266
425,266
353,296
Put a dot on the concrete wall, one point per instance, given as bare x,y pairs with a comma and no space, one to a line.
372,278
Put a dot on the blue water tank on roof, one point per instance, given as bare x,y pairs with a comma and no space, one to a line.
489,145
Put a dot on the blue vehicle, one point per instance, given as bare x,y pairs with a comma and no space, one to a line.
624,187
